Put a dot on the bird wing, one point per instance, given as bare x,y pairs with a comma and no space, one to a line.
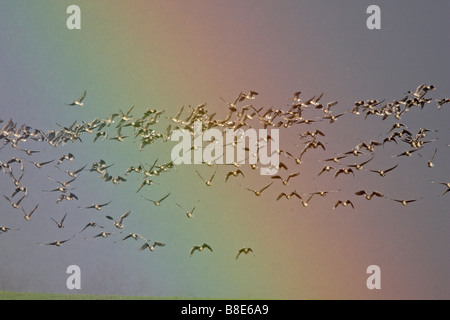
83,96
32,211
293,175
213,175
105,204
193,249
126,214
79,170
390,169
164,197
366,162
199,175
207,246
265,187
144,246
337,203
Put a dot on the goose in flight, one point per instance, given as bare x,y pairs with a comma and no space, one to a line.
251,96
429,162
15,205
335,159
296,96
259,192
17,160
207,182
326,168
68,157
98,207
61,223
286,181
382,173
100,235
200,248
234,173
73,174
313,134
30,152
146,182
405,202
91,224
151,247
118,224
289,196
407,153
4,229
344,171
157,202
65,184
56,243
359,166
28,216
305,203
78,102
343,203
39,165
135,236
69,197
369,196
189,214
244,250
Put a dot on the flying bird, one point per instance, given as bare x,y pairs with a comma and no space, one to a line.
207,182
135,236
15,205
405,202
56,243
343,203
61,223
157,202
91,224
359,166
369,196
382,173
98,207
234,173
200,248
151,247
68,157
4,229
28,216
39,165
118,224
289,196
344,171
259,192
244,250
429,162
69,197
286,181
78,102
189,214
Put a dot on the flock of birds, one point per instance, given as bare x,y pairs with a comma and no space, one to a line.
143,130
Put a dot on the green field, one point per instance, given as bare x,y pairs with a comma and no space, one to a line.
6,295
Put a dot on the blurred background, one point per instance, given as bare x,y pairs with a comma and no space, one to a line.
168,54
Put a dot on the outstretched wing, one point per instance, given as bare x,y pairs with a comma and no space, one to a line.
126,214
